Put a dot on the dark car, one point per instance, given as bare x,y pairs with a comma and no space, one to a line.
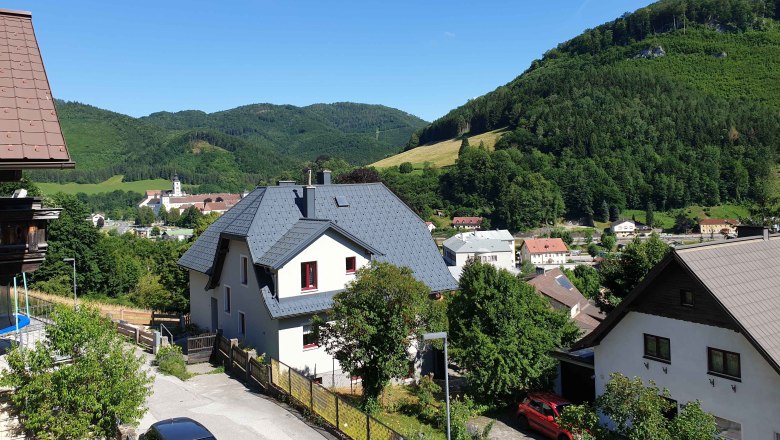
540,411
179,428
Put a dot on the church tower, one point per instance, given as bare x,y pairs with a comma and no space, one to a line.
176,186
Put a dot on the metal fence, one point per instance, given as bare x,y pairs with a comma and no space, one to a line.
329,406
303,392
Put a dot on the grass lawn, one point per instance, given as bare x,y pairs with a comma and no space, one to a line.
112,184
666,219
397,412
441,154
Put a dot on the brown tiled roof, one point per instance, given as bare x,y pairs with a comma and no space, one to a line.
545,245
548,285
215,206
468,221
228,198
718,221
30,133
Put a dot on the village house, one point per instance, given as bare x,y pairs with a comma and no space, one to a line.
721,226
623,228
175,198
703,325
471,223
494,247
563,295
98,220
431,226
261,271
544,251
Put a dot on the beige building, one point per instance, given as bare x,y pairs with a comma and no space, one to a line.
714,226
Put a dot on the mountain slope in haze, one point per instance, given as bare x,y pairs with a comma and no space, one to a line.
232,149
672,105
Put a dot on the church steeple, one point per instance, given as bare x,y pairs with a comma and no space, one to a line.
176,186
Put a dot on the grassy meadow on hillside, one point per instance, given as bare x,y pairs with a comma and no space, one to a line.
112,184
441,154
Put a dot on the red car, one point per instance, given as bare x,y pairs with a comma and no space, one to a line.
539,411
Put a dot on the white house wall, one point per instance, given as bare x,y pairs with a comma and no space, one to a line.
292,353
754,403
200,300
261,330
330,251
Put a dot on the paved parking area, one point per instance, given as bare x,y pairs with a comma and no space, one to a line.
505,428
227,408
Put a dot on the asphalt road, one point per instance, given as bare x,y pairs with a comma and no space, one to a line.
226,407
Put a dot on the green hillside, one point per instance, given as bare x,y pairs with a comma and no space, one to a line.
358,133
676,104
230,150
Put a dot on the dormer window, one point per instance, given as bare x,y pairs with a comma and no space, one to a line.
309,275
351,264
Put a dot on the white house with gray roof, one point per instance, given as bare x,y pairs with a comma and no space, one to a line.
494,247
705,325
262,270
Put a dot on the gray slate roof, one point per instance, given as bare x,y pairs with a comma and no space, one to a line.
298,237
300,305
375,216
743,275
480,241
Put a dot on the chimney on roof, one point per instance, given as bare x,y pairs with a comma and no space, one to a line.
323,177
285,183
308,199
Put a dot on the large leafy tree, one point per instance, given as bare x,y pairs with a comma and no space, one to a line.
621,274
372,325
72,235
502,332
638,412
86,398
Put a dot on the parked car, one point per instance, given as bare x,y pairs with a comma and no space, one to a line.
179,428
539,411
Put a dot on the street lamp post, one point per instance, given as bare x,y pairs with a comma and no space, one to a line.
73,260
443,335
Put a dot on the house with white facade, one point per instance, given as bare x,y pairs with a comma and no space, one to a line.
494,247
262,270
544,251
623,228
431,226
704,325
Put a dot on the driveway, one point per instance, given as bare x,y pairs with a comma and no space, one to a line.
226,407
504,427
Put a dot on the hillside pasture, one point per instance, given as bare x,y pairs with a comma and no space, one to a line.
441,154
112,184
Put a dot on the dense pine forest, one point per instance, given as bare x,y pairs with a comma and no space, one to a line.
672,105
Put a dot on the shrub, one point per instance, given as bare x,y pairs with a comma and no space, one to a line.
170,360
427,403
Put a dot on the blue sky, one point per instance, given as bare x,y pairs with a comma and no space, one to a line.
424,57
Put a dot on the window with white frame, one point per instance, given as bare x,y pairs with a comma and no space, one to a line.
227,298
244,270
241,324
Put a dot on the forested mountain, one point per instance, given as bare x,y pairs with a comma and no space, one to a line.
675,104
232,149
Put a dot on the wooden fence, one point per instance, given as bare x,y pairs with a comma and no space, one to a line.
200,348
139,337
305,393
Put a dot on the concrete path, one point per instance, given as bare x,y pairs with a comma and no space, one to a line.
226,407
504,428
